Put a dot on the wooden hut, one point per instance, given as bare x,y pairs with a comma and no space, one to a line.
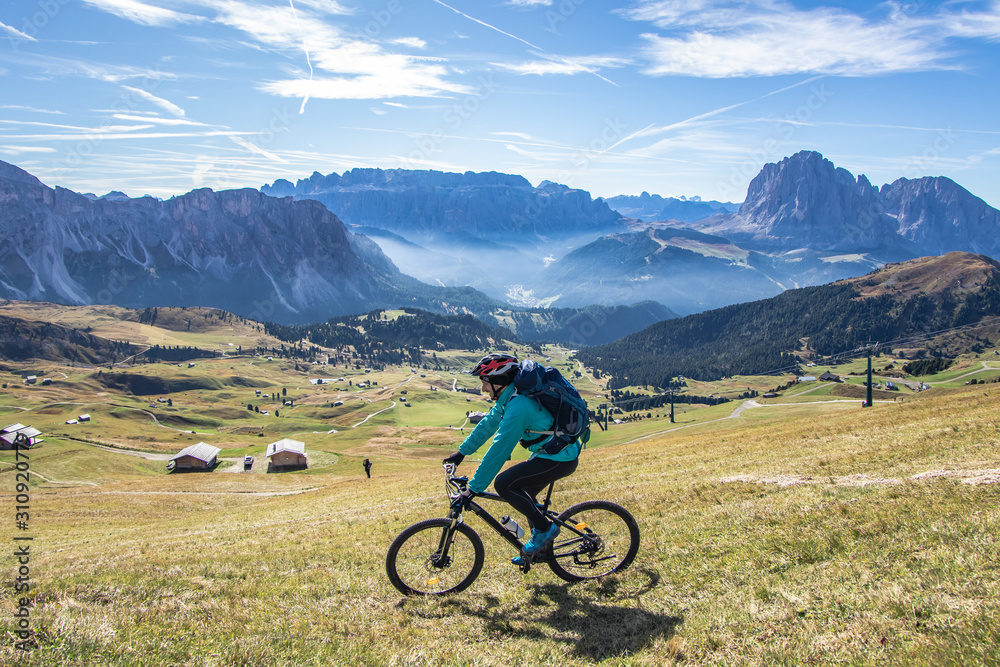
195,457
27,435
287,454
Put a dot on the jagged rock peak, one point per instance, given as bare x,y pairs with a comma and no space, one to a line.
115,195
366,177
10,172
784,179
938,214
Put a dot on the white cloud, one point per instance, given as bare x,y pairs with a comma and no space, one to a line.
414,42
356,68
18,150
140,12
557,65
35,123
535,154
14,32
712,38
156,119
253,148
517,135
324,6
369,87
55,66
21,107
975,24
530,3
158,101
102,133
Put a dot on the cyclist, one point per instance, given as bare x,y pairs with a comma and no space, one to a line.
513,418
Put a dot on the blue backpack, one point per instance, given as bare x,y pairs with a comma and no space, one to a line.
571,419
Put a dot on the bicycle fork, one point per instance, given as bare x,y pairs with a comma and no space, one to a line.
440,558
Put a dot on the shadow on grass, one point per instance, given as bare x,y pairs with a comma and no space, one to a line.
594,620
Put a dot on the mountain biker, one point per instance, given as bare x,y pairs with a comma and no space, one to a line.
511,419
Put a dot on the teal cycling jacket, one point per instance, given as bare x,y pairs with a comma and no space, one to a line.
510,418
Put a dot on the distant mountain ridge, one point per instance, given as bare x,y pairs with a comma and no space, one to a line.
938,215
22,340
653,208
913,299
239,250
424,204
678,266
803,222
804,202
260,257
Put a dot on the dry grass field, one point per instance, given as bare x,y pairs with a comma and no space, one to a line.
798,530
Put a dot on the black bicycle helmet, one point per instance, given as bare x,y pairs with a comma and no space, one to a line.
497,368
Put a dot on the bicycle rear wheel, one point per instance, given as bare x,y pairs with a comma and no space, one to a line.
606,540
431,558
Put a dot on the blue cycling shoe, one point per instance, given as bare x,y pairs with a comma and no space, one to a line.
539,539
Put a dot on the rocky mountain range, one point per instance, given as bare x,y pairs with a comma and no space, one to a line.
427,205
653,208
489,230
261,257
803,222
804,202
679,266
477,243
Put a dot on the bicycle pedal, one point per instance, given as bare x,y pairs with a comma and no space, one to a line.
523,562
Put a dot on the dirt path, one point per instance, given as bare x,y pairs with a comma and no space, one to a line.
373,414
986,367
747,404
580,368
114,405
811,389
131,452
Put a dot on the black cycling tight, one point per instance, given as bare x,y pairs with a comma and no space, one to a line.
520,484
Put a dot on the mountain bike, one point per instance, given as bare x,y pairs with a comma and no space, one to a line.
445,555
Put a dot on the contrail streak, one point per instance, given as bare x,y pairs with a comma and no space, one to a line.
305,48
523,41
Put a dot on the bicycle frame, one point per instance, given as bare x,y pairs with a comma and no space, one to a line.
456,484
457,551
492,521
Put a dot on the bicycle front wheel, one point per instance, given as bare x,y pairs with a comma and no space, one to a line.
432,558
605,540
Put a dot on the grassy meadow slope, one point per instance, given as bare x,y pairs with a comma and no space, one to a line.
799,529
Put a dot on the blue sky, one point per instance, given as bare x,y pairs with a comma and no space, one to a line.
686,98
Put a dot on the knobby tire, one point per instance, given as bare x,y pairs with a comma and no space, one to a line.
609,543
414,564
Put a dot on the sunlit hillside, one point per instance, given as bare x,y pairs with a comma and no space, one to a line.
793,529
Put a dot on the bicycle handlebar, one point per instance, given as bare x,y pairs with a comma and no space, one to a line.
454,485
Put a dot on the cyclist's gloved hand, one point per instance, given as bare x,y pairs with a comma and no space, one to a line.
466,495
455,458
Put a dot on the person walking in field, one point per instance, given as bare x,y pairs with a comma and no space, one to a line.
368,468
515,418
